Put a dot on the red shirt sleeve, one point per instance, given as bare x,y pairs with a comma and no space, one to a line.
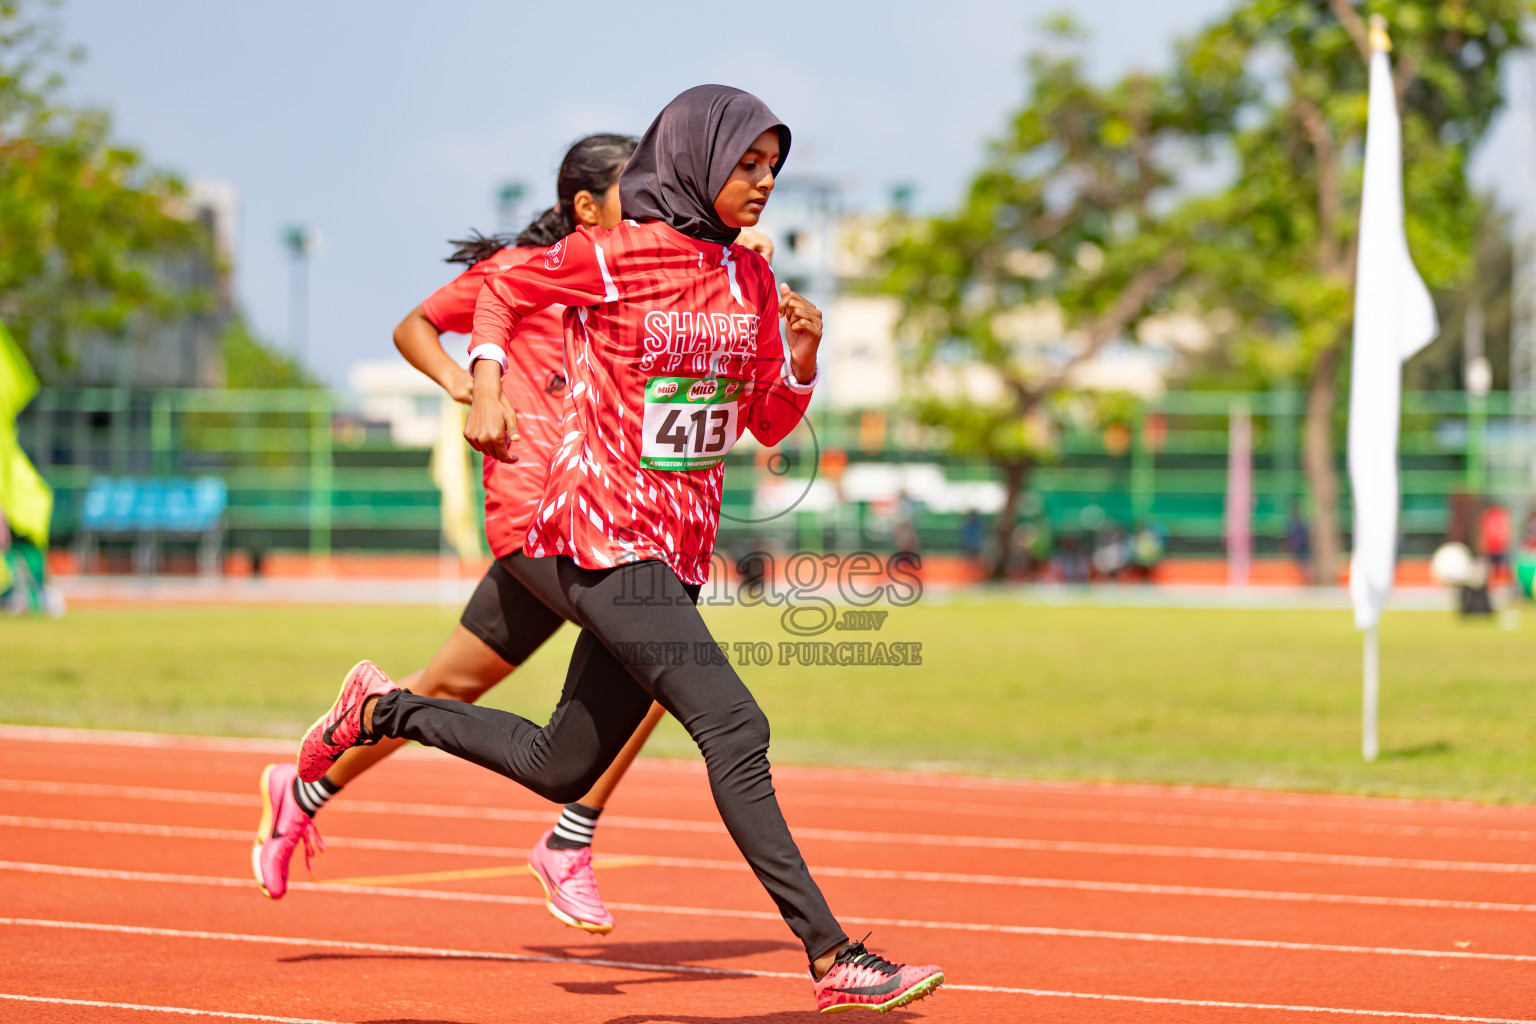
572,272
776,402
451,308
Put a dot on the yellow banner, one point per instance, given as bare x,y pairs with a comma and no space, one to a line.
25,497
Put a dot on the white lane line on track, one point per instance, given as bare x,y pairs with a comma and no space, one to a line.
928,779
184,1010
156,740
1153,818
1224,1005
1140,888
393,948
1228,823
542,817
1132,888
166,878
96,789
833,835
1139,790
758,915
375,947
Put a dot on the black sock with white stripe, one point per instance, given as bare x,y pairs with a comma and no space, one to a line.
575,827
311,796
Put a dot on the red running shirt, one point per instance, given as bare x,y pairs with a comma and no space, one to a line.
535,382
674,351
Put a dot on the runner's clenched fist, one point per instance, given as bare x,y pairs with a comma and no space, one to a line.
802,324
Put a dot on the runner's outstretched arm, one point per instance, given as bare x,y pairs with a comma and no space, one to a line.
420,342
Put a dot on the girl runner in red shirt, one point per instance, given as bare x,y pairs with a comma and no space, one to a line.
503,624
673,349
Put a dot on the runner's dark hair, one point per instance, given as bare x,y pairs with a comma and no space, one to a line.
477,247
592,165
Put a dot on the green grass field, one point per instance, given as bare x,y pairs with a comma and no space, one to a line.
1256,698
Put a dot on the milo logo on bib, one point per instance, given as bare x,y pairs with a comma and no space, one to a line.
690,422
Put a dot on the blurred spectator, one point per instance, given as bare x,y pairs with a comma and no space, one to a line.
1464,514
972,536
753,564
1494,535
24,583
1072,558
1148,545
1033,547
1524,563
1475,598
904,529
1298,542
6,576
1111,552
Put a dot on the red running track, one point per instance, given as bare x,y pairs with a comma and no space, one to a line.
125,895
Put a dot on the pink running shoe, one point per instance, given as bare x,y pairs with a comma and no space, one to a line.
860,980
342,727
283,825
570,887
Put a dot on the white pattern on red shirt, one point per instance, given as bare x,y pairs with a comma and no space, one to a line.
600,505
535,382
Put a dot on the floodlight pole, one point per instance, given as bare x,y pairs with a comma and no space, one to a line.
300,243
1522,328
507,197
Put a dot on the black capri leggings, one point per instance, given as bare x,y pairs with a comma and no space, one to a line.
642,637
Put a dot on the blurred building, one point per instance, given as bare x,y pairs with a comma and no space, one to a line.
831,256
393,393
181,351
823,252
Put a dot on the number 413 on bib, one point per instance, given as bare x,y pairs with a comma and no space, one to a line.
690,422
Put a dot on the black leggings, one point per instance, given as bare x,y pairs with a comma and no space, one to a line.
643,637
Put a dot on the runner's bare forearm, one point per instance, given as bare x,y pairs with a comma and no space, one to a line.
419,341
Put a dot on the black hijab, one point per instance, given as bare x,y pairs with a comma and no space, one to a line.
687,154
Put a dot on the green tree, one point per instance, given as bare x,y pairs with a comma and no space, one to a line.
86,226
1285,85
250,362
1441,365
1068,237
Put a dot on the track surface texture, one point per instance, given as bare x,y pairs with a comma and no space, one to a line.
125,896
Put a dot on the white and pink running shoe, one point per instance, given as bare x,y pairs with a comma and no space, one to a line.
570,887
860,980
283,826
342,727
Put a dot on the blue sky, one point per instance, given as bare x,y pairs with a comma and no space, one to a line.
390,126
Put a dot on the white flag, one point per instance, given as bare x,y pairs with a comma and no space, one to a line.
1394,318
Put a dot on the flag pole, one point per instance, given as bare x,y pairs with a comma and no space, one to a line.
1370,683
1371,688
1394,318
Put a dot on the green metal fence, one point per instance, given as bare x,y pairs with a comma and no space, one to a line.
305,472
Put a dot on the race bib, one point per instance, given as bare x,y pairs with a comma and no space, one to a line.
690,422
